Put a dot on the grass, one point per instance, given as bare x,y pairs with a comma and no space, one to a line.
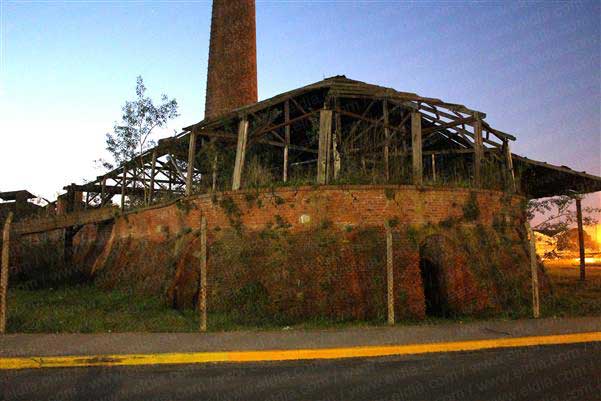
570,296
88,309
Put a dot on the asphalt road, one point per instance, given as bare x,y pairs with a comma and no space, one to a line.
564,372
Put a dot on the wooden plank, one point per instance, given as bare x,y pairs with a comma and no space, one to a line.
580,239
191,154
5,269
202,294
286,138
534,272
478,153
240,154
77,218
390,274
433,167
325,132
416,147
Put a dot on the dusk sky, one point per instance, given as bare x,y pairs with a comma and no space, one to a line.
67,67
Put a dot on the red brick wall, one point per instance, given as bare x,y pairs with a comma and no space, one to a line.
314,252
343,206
232,72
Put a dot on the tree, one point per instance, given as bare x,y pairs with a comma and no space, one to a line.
140,117
557,214
133,134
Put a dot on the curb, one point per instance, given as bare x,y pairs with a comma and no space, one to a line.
39,362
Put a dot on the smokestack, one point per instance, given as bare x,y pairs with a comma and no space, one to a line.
232,74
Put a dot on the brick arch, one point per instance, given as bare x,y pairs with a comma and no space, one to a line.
459,291
434,265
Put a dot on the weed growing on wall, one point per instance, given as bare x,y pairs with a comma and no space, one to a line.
471,211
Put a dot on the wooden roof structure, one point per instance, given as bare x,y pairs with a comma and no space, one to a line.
328,127
20,195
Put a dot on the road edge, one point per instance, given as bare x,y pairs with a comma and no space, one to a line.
41,362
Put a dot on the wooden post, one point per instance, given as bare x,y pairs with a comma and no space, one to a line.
325,133
433,167
335,141
102,190
328,146
240,154
580,239
534,272
387,139
123,188
416,147
286,138
153,168
191,154
389,274
4,273
202,294
478,151
214,184
509,165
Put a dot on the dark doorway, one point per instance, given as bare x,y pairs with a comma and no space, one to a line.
431,268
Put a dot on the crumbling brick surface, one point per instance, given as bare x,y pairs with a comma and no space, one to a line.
301,253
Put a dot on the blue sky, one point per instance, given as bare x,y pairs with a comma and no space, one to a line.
67,67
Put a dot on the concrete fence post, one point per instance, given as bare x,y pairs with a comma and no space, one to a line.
389,274
202,294
4,271
534,270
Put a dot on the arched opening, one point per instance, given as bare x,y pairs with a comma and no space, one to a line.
431,262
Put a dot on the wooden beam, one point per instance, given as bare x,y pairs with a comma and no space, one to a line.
325,133
102,191
580,239
367,120
335,141
240,154
416,147
450,124
191,154
286,138
214,184
4,271
177,170
478,153
509,166
274,127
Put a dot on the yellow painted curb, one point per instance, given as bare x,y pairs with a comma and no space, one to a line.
289,355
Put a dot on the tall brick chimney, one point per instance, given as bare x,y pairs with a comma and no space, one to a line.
232,74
